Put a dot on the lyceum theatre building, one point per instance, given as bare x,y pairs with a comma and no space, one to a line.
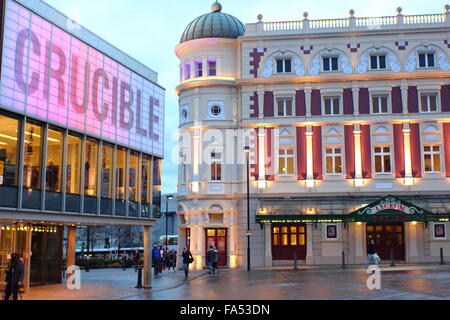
81,137
348,124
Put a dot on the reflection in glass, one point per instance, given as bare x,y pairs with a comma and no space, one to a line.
134,183
90,182
106,179
146,192
53,172
9,134
156,198
120,181
32,166
73,172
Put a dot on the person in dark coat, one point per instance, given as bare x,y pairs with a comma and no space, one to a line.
124,259
187,260
371,253
211,257
136,259
14,277
156,260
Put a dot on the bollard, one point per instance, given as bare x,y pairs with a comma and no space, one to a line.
442,257
343,260
295,261
392,258
139,280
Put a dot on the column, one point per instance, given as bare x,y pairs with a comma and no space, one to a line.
204,67
404,89
308,93
413,256
27,258
196,160
267,244
309,158
71,245
262,158
355,91
147,257
358,160
359,243
192,64
261,102
232,240
219,66
408,162
309,244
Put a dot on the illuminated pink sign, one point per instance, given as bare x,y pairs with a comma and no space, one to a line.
51,75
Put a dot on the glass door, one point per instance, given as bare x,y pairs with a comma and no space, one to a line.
218,239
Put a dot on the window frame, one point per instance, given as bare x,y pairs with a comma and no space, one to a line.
380,95
426,53
284,59
209,63
284,99
216,167
382,154
333,155
330,57
431,153
378,55
428,94
332,98
285,156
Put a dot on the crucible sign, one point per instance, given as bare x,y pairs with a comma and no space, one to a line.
50,75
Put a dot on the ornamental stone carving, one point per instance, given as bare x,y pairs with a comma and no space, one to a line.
411,63
393,63
269,67
344,62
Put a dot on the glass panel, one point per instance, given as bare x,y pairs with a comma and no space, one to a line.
390,228
427,163
211,232
338,164
156,198
433,103
301,239
369,228
90,184
9,136
284,229
326,64
276,240
32,166
106,179
293,229
53,170
120,173
424,103
436,148
373,62
387,163
289,107
430,60
377,164
327,106
290,166
280,108
301,230
146,194
379,228
398,229
334,62
221,233
134,176
288,65
276,230
336,106
293,239
73,169
329,163
285,240
437,162
422,60
382,62
279,66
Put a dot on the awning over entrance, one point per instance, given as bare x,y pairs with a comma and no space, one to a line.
352,209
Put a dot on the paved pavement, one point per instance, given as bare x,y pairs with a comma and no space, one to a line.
321,283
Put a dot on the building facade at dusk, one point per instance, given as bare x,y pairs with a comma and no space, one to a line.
348,123
81,138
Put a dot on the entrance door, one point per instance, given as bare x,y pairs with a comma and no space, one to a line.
288,239
218,239
387,237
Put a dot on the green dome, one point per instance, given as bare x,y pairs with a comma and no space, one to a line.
215,24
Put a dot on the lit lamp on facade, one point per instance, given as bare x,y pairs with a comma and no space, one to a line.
414,223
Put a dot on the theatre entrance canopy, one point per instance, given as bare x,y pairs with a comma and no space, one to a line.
354,209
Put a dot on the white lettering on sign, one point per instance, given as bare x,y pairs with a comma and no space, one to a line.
390,203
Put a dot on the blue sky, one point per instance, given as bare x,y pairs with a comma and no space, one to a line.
149,30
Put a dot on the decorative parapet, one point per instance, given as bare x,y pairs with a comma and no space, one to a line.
352,23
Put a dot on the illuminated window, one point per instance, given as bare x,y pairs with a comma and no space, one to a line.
216,166
379,104
427,60
9,137
146,186
284,65
378,62
432,158
332,106
90,182
54,161
429,102
106,173
286,161
73,168
330,63
133,183
333,158
156,198
382,160
284,107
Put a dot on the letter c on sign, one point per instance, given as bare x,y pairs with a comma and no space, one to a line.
22,37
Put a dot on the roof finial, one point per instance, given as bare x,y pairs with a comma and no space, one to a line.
216,7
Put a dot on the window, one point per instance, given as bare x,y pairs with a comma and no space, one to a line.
333,158
284,107
216,110
428,102
146,195
73,171
54,161
120,173
379,104
331,230
106,191
133,184
216,166
378,62
284,65
382,159
199,69
9,137
32,156
332,106
330,63
90,184
426,60
212,68
184,167
432,158
156,196
187,71
286,161
440,231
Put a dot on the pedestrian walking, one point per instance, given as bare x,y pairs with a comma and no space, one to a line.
172,260
187,260
156,260
161,264
136,259
372,253
211,257
14,277
123,260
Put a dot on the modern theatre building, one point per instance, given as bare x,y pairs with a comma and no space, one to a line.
81,138
348,124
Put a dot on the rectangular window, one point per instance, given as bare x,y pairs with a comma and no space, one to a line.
32,156
146,191
333,160
156,196
133,183
212,68
216,166
378,62
432,158
9,137
120,173
90,184
426,60
284,107
187,71
284,65
332,106
330,63
199,69
106,173
382,159
286,161
428,102
379,104
54,161
73,168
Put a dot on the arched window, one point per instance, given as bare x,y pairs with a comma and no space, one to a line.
216,214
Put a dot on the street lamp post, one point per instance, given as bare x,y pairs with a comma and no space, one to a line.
169,197
247,156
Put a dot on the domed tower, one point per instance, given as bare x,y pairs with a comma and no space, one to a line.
208,99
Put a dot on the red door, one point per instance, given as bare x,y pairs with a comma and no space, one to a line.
289,239
218,239
387,237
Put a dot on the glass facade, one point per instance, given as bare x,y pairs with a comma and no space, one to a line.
117,181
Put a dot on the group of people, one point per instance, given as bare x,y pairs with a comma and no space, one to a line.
14,277
136,258
163,260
